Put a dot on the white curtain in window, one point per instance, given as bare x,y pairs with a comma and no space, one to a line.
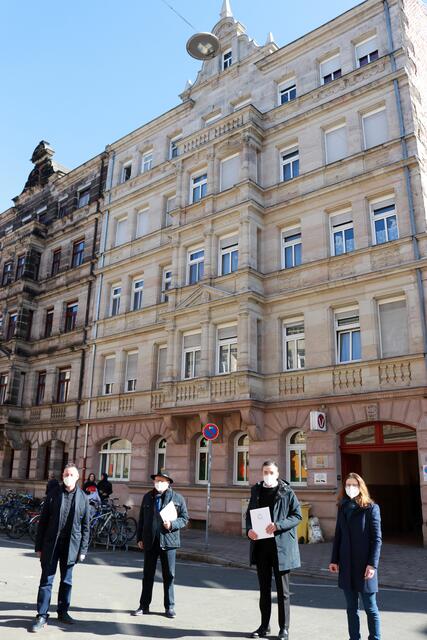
375,128
109,370
131,365
142,221
161,365
336,144
121,231
394,328
230,172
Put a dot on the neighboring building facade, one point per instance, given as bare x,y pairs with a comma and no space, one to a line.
262,257
48,243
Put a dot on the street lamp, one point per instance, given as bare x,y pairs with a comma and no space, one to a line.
203,46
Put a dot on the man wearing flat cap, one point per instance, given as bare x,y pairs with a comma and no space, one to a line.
163,513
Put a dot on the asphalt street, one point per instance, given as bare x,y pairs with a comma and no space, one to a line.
211,602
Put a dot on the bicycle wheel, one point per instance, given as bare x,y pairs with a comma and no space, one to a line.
103,532
118,536
130,526
18,528
33,526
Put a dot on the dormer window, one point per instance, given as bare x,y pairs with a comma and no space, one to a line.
227,59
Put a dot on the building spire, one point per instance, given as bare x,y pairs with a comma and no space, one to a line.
270,39
226,11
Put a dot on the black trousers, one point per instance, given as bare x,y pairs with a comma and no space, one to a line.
267,564
167,561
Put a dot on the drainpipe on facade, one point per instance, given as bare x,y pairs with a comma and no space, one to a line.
104,233
408,181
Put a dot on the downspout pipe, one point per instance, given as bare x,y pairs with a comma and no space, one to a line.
408,182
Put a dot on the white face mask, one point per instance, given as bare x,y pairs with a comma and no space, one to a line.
69,481
269,480
161,486
352,491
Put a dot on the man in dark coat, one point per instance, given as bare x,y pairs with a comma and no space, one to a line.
105,488
278,554
62,536
158,535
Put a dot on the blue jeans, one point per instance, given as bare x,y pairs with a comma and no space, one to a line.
370,605
46,581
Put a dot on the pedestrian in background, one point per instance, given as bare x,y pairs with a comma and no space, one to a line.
276,555
62,536
158,537
105,488
90,485
52,483
356,553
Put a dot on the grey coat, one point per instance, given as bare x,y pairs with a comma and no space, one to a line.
286,517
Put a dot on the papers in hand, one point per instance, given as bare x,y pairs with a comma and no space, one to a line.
260,519
169,512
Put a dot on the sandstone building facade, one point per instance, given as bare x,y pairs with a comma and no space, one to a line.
261,258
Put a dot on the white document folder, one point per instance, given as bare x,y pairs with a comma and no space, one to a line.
260,519
169,512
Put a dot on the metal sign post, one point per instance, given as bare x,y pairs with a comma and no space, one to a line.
210,432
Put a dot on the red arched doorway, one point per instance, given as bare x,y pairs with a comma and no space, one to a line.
385,455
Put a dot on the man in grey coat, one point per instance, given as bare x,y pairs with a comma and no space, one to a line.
278,554
62,537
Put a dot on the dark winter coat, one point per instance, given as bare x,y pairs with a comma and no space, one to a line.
286,517
169,539
48,529
357,543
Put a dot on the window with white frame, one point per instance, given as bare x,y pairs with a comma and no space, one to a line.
126,172
330,69
170,206
202,460
393,321
137,293
289,163
291,247
161,363
241,459
296,458
199,187
173,147
109,367
229,172
229,255
227,349
166,283
366,51
147,161
191,355
347,329
375,129
142,222
121,231
116,292
384,221
196,263
227,59
115,458
287,91
342,232
335,143
293,344
83,197
131,370
160,455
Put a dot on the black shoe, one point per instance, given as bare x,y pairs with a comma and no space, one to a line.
283,634
140,612
38,624
261,632
65,618
170,613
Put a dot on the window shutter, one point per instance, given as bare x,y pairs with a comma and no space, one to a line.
161,364
375,128
109,370
366,47
171,204
394,328
226,333
230,172
228,242
341,218
336,144
121,231
193,340
329,66
131,366
142,223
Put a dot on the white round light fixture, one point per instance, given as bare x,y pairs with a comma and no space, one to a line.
203,46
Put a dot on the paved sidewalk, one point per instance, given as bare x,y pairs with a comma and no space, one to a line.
401,566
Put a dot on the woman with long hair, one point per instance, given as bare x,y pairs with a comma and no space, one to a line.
356,553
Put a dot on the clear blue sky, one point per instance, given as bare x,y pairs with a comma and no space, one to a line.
82,73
